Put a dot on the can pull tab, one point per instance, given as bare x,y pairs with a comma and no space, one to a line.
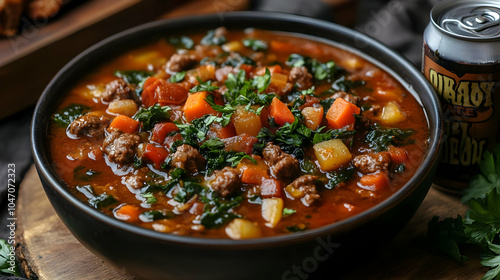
478,20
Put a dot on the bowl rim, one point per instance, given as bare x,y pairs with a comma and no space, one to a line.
39,146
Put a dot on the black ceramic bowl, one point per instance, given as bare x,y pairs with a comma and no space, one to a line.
154,255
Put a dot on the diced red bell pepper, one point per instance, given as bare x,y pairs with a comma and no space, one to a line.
154,154
161,130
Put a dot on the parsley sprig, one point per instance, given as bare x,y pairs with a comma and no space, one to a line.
481,225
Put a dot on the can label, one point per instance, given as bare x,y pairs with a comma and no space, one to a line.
470,100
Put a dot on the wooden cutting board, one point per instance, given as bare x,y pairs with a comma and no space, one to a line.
47,249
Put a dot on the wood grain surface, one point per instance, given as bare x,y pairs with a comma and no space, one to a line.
48,250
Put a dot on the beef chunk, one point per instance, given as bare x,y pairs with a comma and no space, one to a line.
222,73
284,166
221,32
137,180
117,89
120,147
89,125
369,163
226,181
301,77
188,158
179,62
306,185
347,97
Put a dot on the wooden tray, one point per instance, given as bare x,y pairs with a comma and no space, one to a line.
47,250
30,60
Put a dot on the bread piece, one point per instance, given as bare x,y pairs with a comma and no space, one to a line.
10,16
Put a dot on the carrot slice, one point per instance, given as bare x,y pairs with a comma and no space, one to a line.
375,182
341,113
128,213
161,130
196,106
280,112
124,124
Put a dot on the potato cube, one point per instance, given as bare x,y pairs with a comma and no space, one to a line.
233,46
331,154
392,114
272,210
246,122
242,229
126,107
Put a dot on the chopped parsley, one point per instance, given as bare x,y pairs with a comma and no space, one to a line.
182,42
68,114
177,77
288,212
203,86
152,115
135,77
96,201
211,39
321,71
218,158
379,138
216,213
481,225
254,44
153,215
80,174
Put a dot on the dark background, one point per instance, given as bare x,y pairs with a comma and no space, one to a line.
398,23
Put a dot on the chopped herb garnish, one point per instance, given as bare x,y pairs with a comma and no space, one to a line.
80,174
481,226
339,176
379,138
217,213
332,134
98,201
69,113
203,86
218,158
254,44
296,228
243,92
153,215
237,60
152,115
133,77
288,211
346,85
211,39
177,77
150,198
187,191
321,71
182,42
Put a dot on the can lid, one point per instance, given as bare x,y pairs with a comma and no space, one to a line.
468,19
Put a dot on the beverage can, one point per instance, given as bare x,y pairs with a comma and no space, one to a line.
461,59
